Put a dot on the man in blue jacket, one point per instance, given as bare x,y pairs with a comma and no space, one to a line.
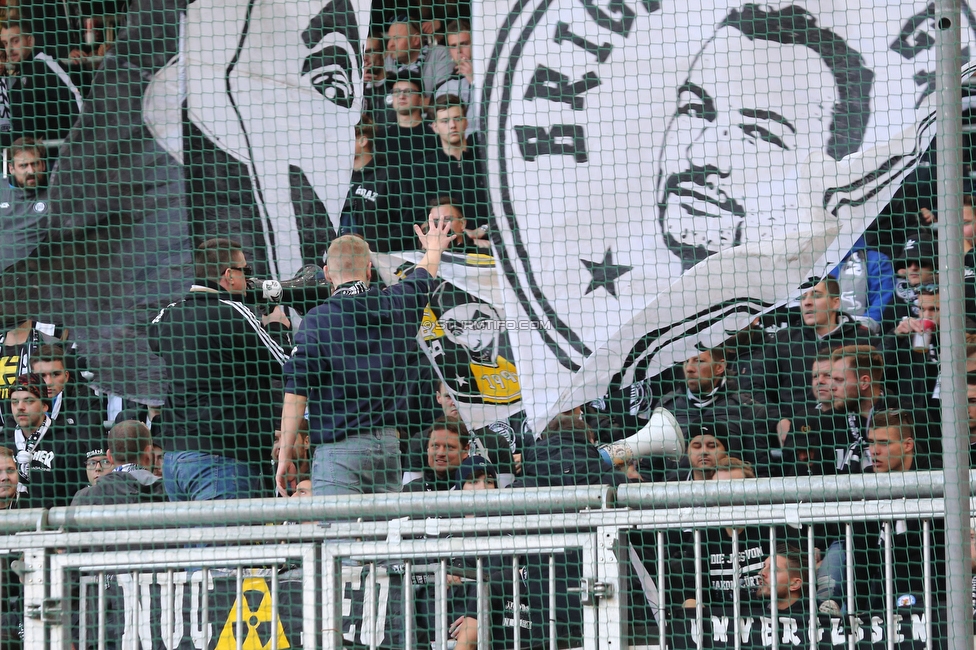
350,366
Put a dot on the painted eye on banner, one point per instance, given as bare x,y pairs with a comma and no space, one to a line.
329,71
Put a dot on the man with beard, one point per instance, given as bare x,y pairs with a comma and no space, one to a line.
8,479
791,580
709,396
43,100
22,205
432,64
709,444
47,461
376,83
857,376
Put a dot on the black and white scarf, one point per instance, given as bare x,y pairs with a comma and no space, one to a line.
701,401
351,288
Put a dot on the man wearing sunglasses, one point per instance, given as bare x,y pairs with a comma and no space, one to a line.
221,362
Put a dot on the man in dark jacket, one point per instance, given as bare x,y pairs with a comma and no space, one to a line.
710,396
218,422
350,367
447,446
454,168
894,448
23,210
129,479
44,102
48,460
786,361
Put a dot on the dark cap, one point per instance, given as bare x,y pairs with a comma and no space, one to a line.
33,384
715,429
922,248
94,451
408,76
472,467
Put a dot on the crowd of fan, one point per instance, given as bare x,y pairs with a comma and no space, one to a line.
843,382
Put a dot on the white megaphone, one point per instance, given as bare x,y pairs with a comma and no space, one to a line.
661,435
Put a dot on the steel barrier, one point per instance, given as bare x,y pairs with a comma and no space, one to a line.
105,578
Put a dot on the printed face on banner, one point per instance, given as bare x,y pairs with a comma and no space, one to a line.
628,142
466,340
729,124
728,166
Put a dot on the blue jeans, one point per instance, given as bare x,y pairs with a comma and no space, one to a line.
197,476
832,575
365,463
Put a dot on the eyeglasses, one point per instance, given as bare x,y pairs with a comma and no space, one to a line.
403,92
246,270
95,464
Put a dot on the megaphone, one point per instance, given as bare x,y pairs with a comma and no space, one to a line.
308,287
661,436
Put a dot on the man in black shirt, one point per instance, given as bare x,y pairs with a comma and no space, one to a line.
895,448
709,396
376,84
48,461
454,168
219,418
405,143
365,210
43,100
791,580
447,446
786,361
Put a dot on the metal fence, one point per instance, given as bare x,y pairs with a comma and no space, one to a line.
123,577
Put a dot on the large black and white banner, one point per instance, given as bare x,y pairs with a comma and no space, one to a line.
661,172
206,119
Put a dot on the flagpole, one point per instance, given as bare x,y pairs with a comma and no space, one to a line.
955,433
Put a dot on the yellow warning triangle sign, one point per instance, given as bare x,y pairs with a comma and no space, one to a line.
256,620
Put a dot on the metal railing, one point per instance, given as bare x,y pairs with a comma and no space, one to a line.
203,573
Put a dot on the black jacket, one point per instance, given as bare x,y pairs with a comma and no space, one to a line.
787,360
116,488
560,460
221,364
744,418
43,104
56,470
464,180
430,482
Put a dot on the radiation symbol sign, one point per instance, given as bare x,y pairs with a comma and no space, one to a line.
256,617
